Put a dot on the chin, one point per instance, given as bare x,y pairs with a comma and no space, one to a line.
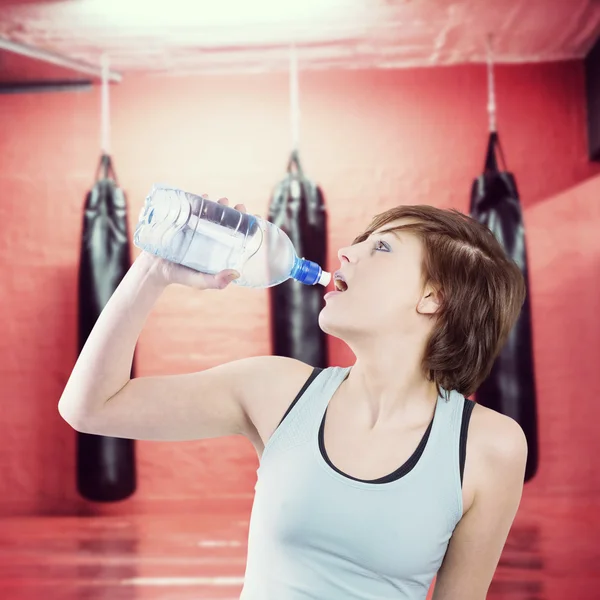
339,323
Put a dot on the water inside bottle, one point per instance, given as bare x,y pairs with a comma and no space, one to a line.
211,247
195,232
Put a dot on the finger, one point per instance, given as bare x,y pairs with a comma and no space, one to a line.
225,277
240,207
223,201
204,196
203,281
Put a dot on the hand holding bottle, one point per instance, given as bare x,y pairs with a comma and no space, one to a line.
167,272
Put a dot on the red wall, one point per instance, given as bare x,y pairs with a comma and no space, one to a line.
372,140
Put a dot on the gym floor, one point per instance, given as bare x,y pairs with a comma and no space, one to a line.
551,554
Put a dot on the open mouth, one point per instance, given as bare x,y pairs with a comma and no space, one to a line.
339,282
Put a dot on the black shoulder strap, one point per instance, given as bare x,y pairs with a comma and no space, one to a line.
312,377
464,428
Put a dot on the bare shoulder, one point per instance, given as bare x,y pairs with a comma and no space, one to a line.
499,439
496,454
266,389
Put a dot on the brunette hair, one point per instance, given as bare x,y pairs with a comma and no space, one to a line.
481,289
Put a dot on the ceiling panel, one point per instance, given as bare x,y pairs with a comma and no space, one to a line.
207,36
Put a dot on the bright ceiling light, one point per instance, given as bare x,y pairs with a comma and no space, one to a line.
216,13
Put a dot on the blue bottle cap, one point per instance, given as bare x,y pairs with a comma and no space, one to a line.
307,272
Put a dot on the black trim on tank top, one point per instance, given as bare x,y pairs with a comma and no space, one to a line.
464,428
316,371
412,461
407,467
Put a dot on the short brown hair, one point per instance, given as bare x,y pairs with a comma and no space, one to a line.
482,292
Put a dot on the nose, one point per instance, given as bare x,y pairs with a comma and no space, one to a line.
345,255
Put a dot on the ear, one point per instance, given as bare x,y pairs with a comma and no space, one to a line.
430,301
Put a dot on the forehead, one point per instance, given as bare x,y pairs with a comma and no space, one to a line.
393,224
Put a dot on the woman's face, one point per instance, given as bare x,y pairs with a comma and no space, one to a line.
384,287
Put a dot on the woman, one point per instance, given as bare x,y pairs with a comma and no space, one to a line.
368,484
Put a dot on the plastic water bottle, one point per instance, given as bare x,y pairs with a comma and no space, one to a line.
210,237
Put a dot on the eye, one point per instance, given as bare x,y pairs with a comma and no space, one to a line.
382,246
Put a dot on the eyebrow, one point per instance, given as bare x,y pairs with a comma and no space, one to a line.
394,232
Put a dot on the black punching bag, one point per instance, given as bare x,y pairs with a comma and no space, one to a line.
298,208
105,465
510,387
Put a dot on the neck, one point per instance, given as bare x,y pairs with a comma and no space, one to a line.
389,380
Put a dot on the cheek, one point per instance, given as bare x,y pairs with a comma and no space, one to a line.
389,304
404,292
400,303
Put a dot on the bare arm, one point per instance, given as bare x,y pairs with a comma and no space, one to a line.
100,398
104,364
479,537
101,376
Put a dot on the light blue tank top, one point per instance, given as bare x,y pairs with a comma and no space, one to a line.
317,534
